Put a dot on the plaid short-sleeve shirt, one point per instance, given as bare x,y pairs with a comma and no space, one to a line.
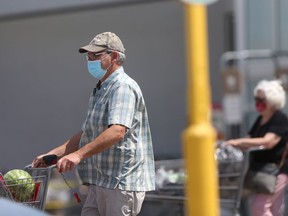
128,164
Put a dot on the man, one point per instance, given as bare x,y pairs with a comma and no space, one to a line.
113,152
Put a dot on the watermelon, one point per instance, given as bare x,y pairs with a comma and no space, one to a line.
20,184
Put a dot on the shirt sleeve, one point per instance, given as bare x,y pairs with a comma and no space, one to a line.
252,132
279,125
121,106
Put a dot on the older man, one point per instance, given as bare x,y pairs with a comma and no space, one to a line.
113,152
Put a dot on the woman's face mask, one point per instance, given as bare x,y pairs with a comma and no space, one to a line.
260,104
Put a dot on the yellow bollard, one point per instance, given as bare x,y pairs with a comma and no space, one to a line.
199,138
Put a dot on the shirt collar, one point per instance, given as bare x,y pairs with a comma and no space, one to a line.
112,77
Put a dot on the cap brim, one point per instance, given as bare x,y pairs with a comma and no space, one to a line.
91,48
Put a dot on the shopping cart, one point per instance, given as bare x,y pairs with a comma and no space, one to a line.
232,170
39,182
232,166
169,194
14,189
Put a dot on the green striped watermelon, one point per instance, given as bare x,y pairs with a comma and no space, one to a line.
20,184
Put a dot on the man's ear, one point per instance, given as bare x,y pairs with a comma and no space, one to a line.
115,56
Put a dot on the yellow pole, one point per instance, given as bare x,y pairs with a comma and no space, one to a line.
199,137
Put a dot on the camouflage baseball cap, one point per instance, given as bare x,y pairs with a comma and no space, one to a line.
103,41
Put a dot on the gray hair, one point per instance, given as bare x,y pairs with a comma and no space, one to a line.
121,56
274,92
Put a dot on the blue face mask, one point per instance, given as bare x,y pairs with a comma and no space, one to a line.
95,69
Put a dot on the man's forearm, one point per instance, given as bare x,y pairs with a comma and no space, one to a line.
68,147
105,140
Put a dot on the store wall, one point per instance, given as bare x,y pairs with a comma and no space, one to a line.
44,85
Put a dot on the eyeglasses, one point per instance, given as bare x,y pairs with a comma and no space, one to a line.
93,56
259,99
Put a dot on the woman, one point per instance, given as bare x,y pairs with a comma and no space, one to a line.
270,130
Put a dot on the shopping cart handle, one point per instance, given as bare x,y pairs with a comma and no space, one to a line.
49,160
30,167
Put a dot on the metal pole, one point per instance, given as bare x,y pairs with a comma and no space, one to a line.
240,8
276,34
199,136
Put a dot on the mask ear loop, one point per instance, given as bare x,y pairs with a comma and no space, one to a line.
120,58
109,53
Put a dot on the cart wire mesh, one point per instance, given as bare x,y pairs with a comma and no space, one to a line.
28,191
232,165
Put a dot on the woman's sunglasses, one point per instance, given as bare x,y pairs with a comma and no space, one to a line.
259,99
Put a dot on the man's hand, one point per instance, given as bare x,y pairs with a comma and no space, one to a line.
68,162
39,162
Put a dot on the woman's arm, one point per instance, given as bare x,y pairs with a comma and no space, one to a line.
268,141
